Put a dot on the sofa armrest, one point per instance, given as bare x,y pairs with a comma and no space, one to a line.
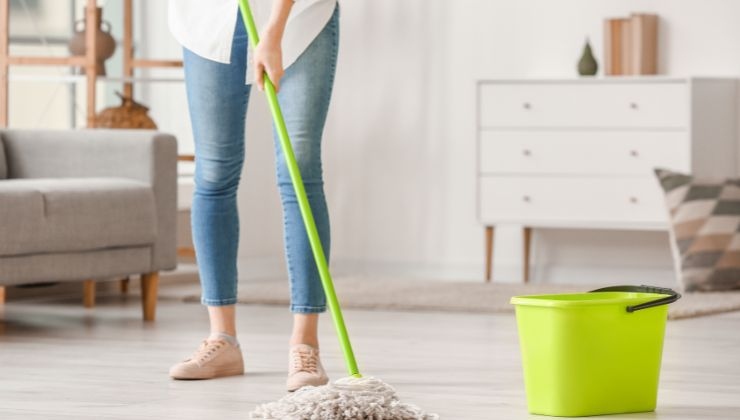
143,155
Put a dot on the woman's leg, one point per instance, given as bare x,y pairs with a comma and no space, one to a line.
222,319
305,93
305,330
217,99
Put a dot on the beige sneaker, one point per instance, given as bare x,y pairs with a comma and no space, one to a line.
213,359
305,367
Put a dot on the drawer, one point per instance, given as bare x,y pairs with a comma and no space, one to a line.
616,104
571,200
583,152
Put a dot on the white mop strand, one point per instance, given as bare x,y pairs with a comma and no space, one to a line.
365,398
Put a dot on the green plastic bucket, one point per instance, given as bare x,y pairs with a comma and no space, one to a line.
593,353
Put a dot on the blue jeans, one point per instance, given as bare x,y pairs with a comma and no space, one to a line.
218,99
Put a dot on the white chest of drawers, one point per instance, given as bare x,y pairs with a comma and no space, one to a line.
581,153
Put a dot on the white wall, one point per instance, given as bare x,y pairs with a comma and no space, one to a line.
400,140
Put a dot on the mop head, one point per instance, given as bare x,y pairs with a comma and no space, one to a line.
365,398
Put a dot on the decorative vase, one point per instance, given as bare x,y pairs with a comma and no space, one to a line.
105,44
130,114
587,65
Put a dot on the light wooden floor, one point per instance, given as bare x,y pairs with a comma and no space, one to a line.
60,361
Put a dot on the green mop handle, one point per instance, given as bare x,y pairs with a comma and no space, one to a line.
308,221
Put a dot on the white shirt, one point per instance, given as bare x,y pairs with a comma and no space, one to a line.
206,27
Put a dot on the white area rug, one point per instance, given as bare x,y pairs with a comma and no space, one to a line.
435,295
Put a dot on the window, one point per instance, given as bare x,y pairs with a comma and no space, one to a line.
43,96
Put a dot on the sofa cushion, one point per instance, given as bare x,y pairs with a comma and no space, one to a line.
3,163
74,214
705,230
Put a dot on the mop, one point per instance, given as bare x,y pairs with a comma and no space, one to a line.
352,398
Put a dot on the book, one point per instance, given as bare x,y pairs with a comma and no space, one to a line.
644,43
617,39
626,44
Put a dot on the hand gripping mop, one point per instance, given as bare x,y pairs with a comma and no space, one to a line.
355,397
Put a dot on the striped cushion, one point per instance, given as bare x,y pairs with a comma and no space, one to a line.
705,229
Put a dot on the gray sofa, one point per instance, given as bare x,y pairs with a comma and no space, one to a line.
87,205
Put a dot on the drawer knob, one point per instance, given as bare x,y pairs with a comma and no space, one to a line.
527,152
527,105
633,200
633,105
526,198
634,153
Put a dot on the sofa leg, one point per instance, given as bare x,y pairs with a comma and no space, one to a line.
2,295
124,285
149,283
88,294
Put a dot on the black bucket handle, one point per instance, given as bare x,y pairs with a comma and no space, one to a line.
672,295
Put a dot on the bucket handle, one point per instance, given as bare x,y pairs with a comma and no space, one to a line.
672,295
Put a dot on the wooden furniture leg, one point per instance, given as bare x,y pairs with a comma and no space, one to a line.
124,285
128,48
88,296
4,41
489,252
2,295
185,252
527,251
91,65
149,283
